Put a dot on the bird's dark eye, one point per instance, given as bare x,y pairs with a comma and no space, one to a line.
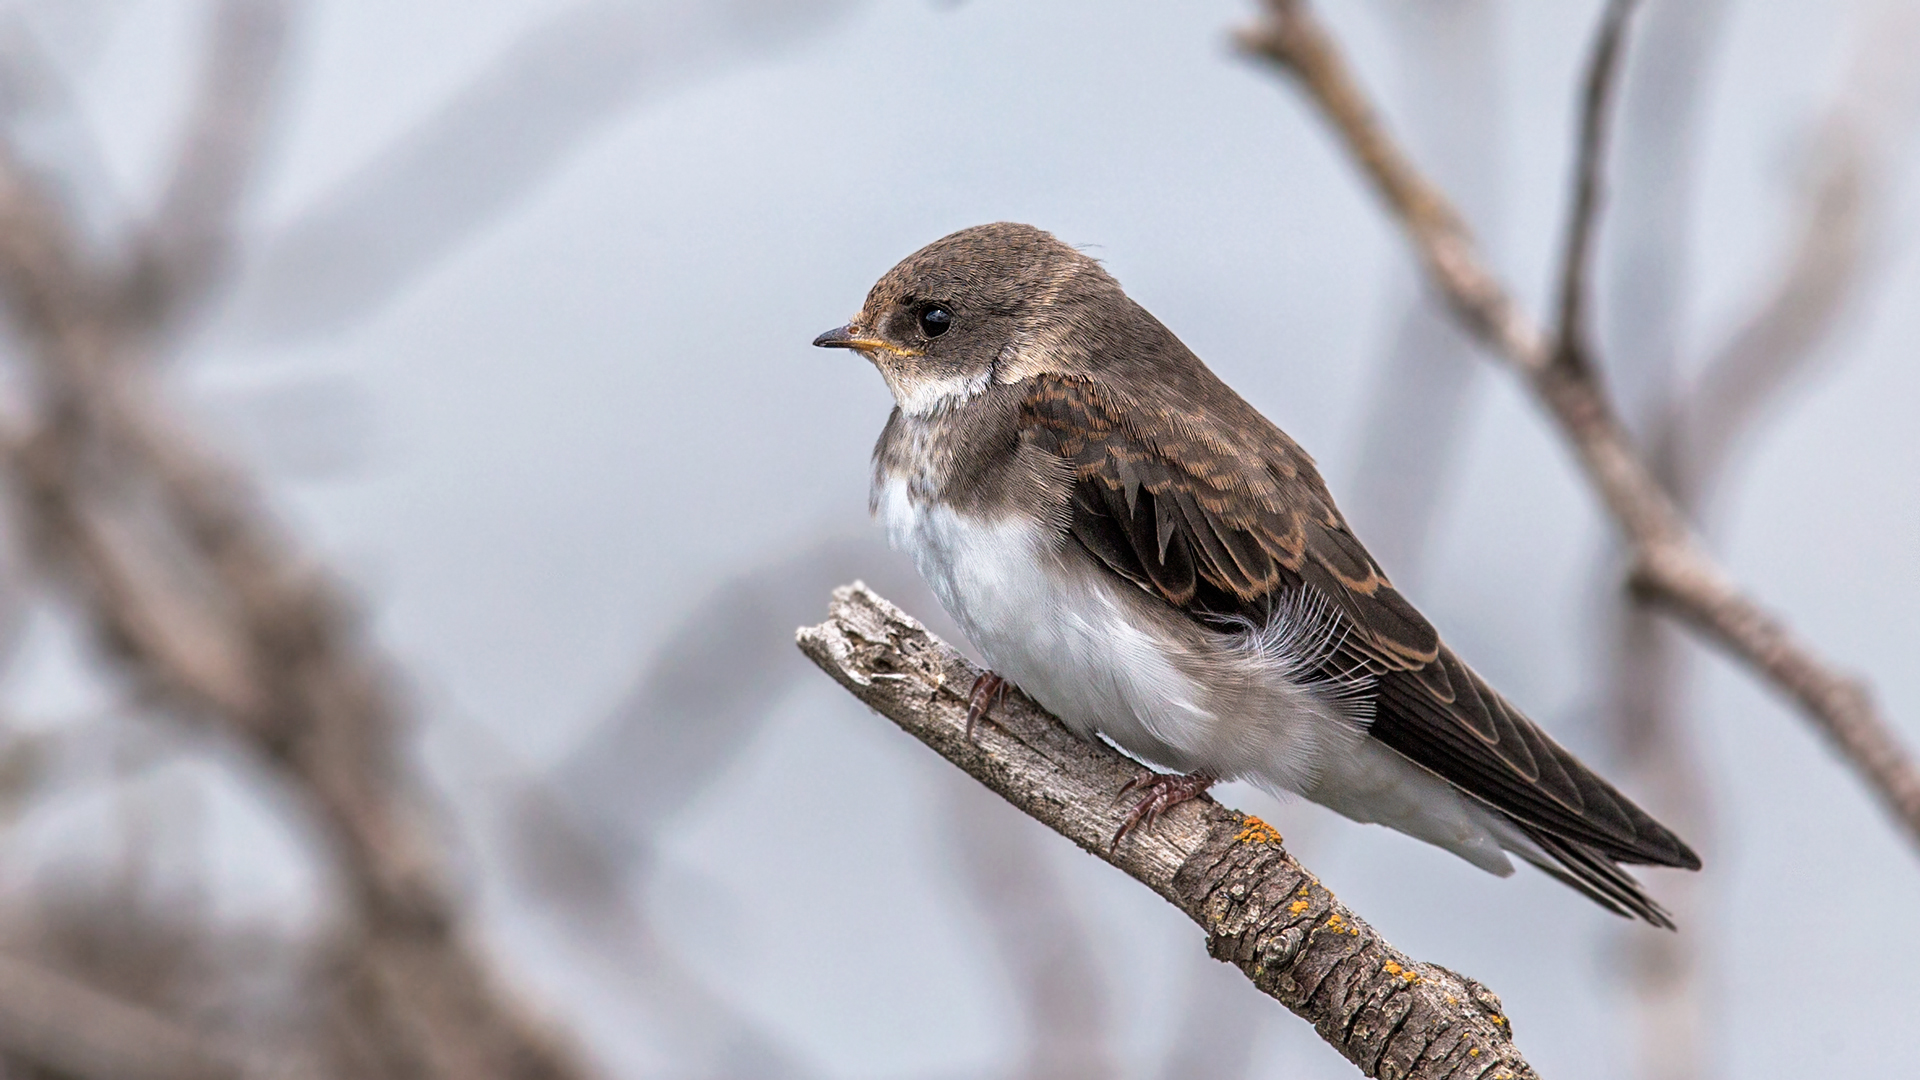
935,320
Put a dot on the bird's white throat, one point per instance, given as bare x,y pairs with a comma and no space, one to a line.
922,396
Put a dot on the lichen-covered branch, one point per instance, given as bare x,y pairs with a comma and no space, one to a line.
1671,567
1262,911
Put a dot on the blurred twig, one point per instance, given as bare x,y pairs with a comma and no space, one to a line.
1448,86
1671,568
208,607
1038,930
1263,912
596,892
490,145
63,1024
1643,675
1603,68
583,841
1694,434
1819,272
190,239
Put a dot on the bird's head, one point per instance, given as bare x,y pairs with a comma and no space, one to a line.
986,304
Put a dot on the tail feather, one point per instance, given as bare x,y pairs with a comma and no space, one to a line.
1594,874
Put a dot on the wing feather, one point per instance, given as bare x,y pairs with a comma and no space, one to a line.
1220,516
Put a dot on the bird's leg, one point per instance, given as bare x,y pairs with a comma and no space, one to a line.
989,690
1162,792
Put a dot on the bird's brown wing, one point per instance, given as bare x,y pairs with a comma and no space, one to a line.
1221,515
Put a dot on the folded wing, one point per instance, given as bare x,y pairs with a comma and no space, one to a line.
1221,515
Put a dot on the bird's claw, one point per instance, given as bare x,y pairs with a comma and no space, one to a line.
989,691
1164,791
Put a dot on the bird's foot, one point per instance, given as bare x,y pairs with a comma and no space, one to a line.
989,691
1161,793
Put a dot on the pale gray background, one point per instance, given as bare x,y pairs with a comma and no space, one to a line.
578,396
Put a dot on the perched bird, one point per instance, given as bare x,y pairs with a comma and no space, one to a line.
1149,558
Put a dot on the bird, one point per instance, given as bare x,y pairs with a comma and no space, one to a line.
1140,551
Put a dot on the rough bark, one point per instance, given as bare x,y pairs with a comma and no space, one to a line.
1263,912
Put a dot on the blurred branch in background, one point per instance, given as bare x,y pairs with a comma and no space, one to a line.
1671,568
1646,280
1263,912
1639,668
489,146
1572,337
1844,178
204,603
234,651
191,239
1039,931
584,836
62,1024
1694,423
193,592
1449,89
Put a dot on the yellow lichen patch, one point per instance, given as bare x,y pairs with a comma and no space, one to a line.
1255,831
1408,976
1340,926
1297,906
1475,1052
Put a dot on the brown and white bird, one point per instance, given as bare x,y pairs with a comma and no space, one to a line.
1150,559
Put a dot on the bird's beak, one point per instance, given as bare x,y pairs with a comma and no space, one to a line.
844,338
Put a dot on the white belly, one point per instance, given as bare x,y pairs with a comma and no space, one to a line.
1104,657
1062,640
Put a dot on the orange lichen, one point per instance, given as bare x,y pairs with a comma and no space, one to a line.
1411,978
1340,926
1297,906
1255,831
1475,1052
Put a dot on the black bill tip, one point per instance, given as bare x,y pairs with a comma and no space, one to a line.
840,337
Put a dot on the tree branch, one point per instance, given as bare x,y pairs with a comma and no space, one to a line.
63,1024
1262,911
1450,88
1293,38
198,595
189,242
1782,337
1603,68
1671,569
